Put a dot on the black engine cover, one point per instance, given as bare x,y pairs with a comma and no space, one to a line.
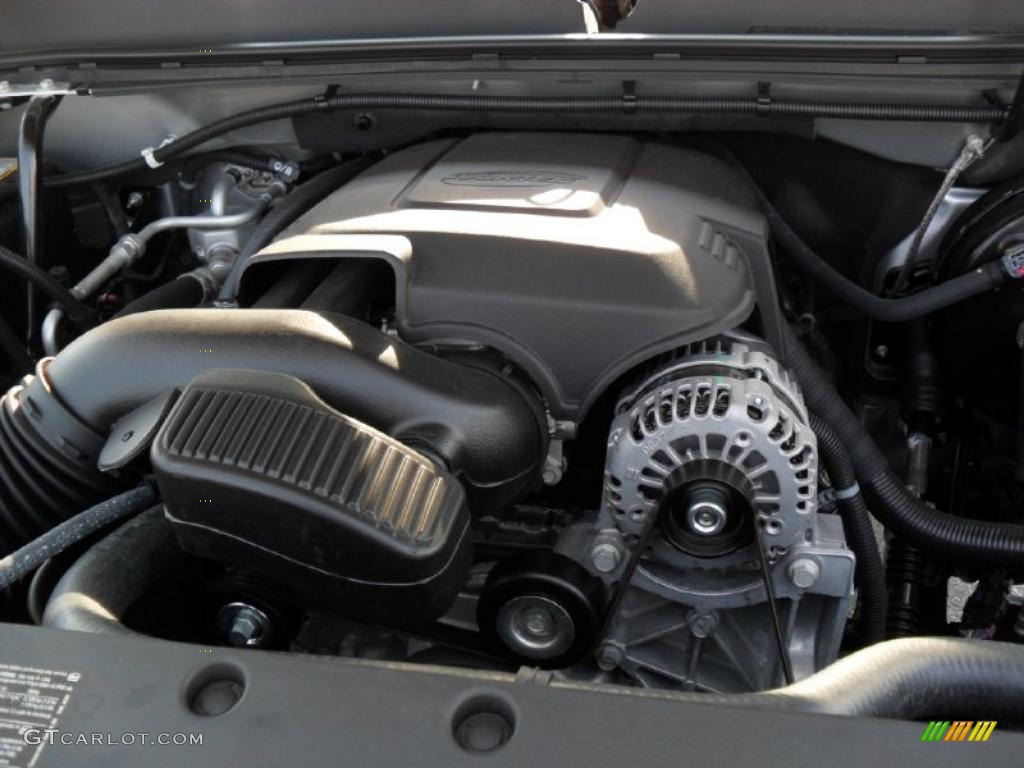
256,470
576,255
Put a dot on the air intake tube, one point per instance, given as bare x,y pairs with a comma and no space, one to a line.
487,430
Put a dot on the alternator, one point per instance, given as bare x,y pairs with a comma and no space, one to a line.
714,442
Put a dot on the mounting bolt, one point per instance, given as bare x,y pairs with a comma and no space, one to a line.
554,464
134,201
605,557
707,511
539,622
244,632
804,572
245,626
609,655
46,84
364,121
702,624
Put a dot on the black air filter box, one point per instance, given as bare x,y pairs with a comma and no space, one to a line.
257,471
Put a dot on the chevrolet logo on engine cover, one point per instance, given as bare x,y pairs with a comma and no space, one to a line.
512,179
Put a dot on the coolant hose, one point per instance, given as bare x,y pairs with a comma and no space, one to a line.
891,502
915,678
870,573
918,678
184,291
96,592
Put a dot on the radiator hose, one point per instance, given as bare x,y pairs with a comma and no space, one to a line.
912,678
185,291
1000,544
485,428
98,589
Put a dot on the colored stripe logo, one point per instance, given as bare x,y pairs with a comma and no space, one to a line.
958,730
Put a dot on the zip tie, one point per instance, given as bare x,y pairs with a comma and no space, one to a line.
148,154
841,494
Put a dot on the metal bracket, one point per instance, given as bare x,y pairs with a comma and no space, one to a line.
45,87
30,185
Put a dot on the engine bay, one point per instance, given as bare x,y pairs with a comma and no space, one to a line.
699,412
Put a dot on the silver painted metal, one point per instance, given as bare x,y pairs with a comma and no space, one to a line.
245,626
127,250
722,411
702,624
707,512
609,656
9,90
535,627
554,464
804,572
724,406
606,557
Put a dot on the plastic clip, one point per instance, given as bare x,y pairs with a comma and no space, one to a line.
840,494
764,98
149,153
629,97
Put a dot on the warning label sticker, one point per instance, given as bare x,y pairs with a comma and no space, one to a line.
32,701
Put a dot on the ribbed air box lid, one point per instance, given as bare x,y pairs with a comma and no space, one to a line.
256,470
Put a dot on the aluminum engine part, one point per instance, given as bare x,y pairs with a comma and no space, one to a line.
713,441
